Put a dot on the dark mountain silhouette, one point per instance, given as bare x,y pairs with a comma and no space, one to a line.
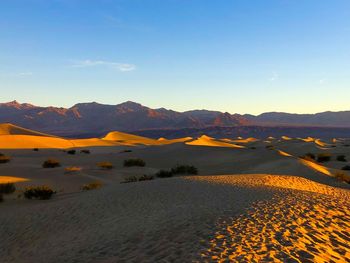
97,119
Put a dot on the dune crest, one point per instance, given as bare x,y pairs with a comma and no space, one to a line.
209,141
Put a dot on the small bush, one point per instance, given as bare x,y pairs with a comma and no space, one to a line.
341,158
184,169
346,168
85,151
1,198
130,179
269,147
72,169
164,174
105,165
92,186
38,192
7,188
134,162
323,157
4,158
253,147
51,163
72,152
35,149
342,176
146,177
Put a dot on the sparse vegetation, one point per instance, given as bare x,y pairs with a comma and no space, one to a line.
86,151
342,176
146,177
92,186
269,147
7,188
38,192
105,165
134,162
346,168
51,163
130,179
72,152
1,198
4,158
323,157
184,169
341,158
72,169
253,147
35,149
164,174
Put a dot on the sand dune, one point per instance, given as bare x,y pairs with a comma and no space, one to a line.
11,179
209,141
10,129
286,138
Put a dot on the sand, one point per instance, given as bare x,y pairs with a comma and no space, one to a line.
248,204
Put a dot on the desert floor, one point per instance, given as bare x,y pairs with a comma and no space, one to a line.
252,204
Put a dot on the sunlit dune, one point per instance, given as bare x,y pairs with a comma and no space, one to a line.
320,143
165,141
131,139
208,141
248,140
315,166
286,138
284,153
309,223
308,139
29,142
11,179
10,129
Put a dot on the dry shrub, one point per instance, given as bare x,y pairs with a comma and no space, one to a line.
72,169
92,186
4,158
51,163
7,188
105,165
134,162
323,157
38,192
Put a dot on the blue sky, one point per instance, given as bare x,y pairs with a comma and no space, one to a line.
239,56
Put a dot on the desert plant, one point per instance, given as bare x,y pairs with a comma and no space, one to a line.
38,192
1,198
4,158
105,165
35,149
7,188
146,177
86,151
92,186
323,157
184,169
164,174
72,152
346,168
342,176
51,163
130,179
72,169
134,162
341,158
270,147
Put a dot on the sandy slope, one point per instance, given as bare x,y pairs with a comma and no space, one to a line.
191,219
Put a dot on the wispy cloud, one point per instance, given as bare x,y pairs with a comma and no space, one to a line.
25,74
274,76
123,67
16,75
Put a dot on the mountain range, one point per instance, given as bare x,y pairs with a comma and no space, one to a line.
94,118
